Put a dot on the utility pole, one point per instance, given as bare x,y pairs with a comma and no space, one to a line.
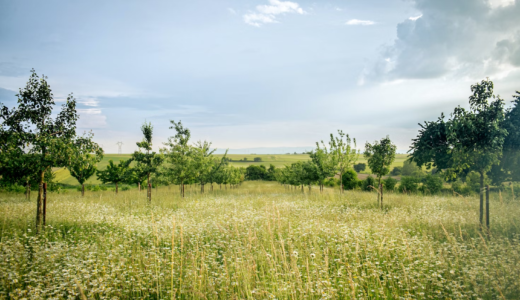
119,144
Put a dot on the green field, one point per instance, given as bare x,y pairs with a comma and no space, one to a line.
259,241
278,160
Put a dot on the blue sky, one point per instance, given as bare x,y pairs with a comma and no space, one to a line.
262,73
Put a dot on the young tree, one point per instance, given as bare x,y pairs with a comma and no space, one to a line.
204,164
380,155
85,155
146,162
511,159
114,173
471,140
179,155
325,163
343,148
360,167
31,129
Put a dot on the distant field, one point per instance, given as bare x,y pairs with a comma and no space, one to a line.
278,160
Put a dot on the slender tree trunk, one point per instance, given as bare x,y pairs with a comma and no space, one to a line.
202,188
150,192
487,207
27,191
221,186
302,189
82,190
341,181
139,186
481,219
182,189
378,194
381,190
44,203
117,190
39,209
513,190
309,187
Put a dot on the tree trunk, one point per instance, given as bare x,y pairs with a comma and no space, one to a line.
378,195
487,207
44,203
139,186
341,181
302,189
202,188
27,191
39,201
82,190
513,190
221,186
309,187
150,192
182,189
381,190
481,219
117,190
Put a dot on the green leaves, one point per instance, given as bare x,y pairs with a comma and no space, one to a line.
85,155
380,155
114,173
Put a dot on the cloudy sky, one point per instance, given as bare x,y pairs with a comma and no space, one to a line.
260,73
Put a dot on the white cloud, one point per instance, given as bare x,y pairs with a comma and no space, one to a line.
267,13
500,3
89,101
91,118
459,39
360,22
415,18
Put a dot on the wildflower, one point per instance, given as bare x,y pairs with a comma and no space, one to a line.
313,256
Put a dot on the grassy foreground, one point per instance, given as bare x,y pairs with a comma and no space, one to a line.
259,241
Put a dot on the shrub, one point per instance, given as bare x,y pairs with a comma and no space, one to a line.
331,182
473,181
409,184
350,180
125,188
409,168
432,184
368,183
103,187
460,188
389,183
360,167
257,159
14,188
96,188
397,171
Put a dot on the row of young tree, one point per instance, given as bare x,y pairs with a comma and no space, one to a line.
339,158
179,163
34,140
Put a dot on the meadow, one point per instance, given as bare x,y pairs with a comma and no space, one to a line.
278,160
258,241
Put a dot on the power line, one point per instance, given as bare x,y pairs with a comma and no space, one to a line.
119,144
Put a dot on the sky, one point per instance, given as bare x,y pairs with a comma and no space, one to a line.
260,74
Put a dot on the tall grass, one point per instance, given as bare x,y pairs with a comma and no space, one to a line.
259,241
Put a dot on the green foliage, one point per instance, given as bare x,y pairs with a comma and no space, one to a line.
32,140
331,182
146,163
432,184
410,168
380,155
257,159
397,171
114,173
324,162
85,155
409,184
350,180
179,155
389,183
369,184
254,172
344,152
360,167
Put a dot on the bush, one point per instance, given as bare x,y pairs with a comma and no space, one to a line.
257,159
331,182
103,187
256,172
350,180
432,184
389,183
368,183
14,188
397,171
360,167
473,181
460,188
409,184
409,168
125,188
